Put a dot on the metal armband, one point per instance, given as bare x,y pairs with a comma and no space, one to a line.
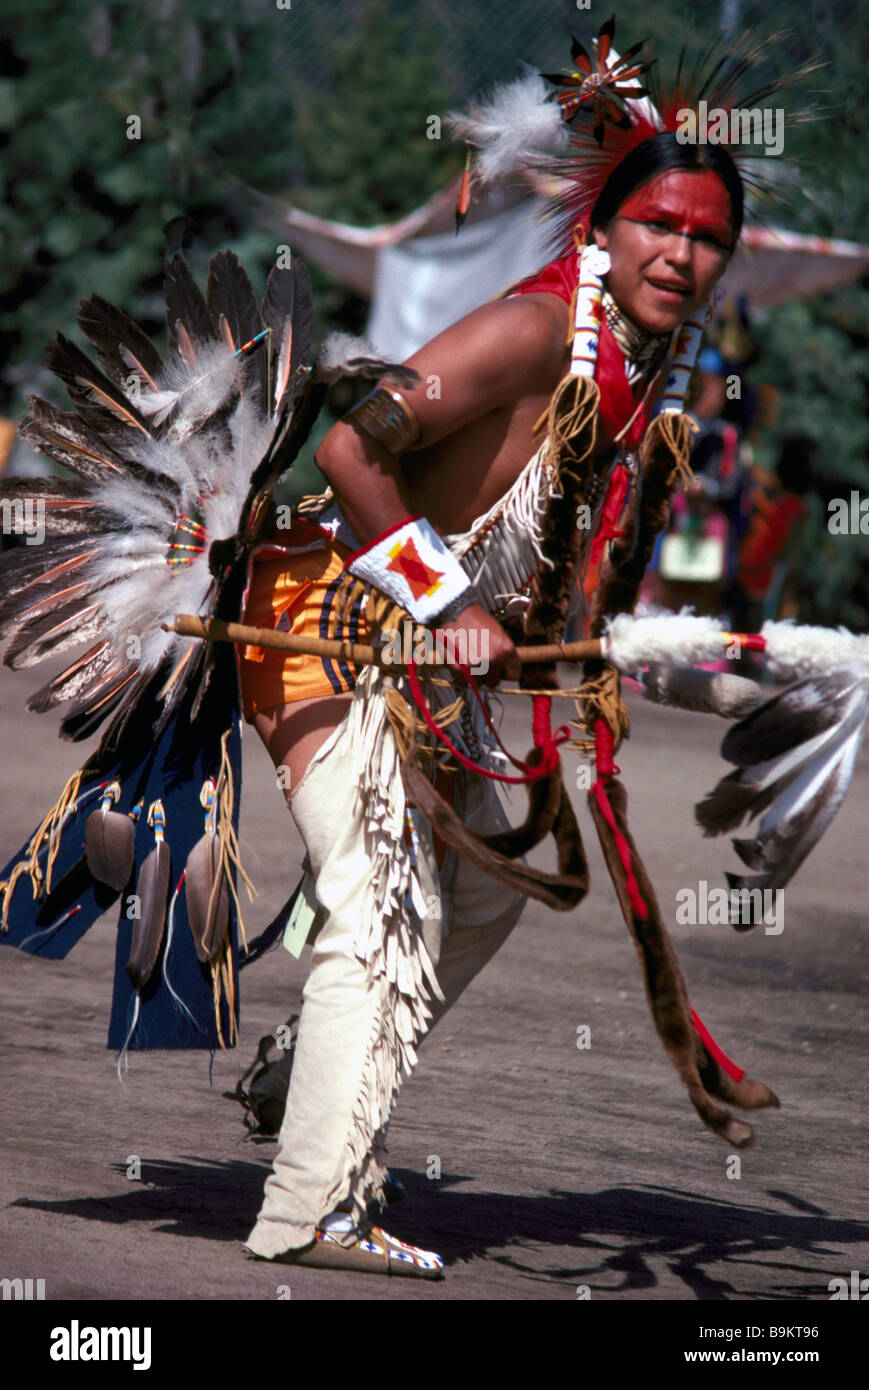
386,416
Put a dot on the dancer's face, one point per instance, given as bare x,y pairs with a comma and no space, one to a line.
669,244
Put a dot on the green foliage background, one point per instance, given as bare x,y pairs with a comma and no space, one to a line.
323,104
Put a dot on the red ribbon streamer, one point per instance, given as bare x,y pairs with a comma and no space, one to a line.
733,1071
604,748
605,767
544,739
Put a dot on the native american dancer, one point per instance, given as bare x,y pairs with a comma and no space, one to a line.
457,514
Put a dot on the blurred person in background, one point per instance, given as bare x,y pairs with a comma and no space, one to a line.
777,513
695,561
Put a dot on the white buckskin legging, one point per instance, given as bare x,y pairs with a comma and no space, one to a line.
361,1017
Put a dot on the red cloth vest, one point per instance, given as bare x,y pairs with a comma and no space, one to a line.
617,401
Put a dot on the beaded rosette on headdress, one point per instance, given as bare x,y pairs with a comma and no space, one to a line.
577,127
574,129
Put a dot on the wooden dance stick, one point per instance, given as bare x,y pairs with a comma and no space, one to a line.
215,630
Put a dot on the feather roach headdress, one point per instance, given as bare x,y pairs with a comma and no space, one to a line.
577,127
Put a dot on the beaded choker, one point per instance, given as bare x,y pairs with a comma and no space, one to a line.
639,347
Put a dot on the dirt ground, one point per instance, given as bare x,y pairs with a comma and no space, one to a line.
559,1167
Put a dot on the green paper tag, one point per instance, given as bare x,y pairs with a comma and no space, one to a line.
301,918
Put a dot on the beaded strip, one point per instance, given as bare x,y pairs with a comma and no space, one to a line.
180,553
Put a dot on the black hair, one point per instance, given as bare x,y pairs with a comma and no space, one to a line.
658,155
796,464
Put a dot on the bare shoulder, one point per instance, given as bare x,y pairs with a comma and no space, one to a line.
523,336
537,323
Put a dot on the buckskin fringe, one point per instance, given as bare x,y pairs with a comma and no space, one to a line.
221,967
665,455
389,939
50,829
571,436
505,545
230,854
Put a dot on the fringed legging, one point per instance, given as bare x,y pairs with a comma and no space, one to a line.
358,1030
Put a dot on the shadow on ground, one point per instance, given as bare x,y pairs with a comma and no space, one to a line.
612,1235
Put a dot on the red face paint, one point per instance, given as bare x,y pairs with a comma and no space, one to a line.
669,245
694,204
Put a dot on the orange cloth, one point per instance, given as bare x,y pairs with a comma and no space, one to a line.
294,591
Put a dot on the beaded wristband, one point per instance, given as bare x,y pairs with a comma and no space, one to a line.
411,564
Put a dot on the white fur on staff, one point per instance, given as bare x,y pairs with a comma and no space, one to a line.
795,650
665,639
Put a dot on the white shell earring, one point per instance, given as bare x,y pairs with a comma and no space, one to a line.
596,260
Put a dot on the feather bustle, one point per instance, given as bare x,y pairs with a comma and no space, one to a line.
231,301
55,635
139,468
114,692
110,330
39,584
287,309
185,307
74,679
64,437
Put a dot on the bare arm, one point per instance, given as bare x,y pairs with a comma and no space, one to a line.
493,358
